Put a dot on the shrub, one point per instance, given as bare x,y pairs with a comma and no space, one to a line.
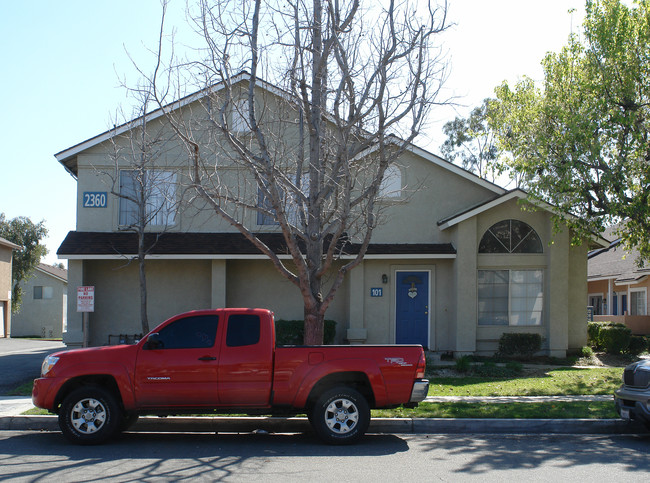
614,339
522,345
292,332
638,345
586,351
463,363
594,332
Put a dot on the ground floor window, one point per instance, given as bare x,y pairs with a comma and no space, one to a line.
638,299
510,297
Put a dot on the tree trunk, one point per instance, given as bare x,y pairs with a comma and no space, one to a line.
314,326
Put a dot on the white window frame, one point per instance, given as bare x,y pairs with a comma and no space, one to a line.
512,312
630,306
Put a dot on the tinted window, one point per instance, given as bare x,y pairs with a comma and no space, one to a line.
243,329
193,332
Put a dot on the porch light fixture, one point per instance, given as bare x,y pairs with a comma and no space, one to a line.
384,278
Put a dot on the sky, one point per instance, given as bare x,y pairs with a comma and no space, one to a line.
63,64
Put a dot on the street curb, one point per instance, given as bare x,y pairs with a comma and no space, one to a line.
377,425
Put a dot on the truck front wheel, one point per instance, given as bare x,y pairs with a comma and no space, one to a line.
89,415
340,415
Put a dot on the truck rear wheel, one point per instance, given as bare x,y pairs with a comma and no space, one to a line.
89,415
340,415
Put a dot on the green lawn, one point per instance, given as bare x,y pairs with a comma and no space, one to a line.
563,381
561,410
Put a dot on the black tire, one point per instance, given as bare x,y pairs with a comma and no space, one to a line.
89,415
340,415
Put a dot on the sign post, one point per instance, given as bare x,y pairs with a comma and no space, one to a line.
86,304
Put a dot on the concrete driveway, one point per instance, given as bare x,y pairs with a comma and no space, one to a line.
20,360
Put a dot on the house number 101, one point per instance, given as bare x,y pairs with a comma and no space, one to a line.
376,292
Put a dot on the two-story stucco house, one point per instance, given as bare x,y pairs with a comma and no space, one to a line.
6,258
43,312
456,263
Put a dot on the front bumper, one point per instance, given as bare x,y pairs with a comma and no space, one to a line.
633,403
43,394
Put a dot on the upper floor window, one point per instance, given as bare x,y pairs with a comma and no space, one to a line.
240,116
292,205
510,236
391,185
156,189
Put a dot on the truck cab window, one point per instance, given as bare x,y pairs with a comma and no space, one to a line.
195,332
243,329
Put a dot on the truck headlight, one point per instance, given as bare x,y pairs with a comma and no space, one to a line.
48,364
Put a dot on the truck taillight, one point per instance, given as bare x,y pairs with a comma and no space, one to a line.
422,367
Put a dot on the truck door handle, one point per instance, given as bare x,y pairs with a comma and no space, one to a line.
207,358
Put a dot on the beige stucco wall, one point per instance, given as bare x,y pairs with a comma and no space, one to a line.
6,256
41,317
564,271
173,286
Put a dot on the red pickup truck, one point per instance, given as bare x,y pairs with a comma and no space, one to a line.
226,360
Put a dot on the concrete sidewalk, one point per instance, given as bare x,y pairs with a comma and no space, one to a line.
12,420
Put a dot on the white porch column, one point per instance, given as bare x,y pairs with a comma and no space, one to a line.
357,332
610,296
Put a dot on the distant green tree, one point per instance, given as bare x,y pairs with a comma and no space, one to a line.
471,141
28,235
581,141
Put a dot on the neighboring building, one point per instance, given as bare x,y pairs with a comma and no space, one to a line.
617,286
6,256
457,264
44,308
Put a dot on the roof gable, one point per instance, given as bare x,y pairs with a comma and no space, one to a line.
67,157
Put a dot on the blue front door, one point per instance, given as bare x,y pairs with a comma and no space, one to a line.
412,308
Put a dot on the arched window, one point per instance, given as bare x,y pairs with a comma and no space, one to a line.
510,236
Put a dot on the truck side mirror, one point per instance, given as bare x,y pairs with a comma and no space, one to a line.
154,342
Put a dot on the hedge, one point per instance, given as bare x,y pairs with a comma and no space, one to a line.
612,337
292,332
522,345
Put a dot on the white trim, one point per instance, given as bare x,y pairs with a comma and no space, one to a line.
438,161
190,98
518,194
600,279
260,256
514,194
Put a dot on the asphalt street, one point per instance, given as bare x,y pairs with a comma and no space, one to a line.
21,359
46,457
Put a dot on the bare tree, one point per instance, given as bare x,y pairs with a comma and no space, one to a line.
148,193
350,87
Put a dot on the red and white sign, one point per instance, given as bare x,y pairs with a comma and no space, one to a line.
86,299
